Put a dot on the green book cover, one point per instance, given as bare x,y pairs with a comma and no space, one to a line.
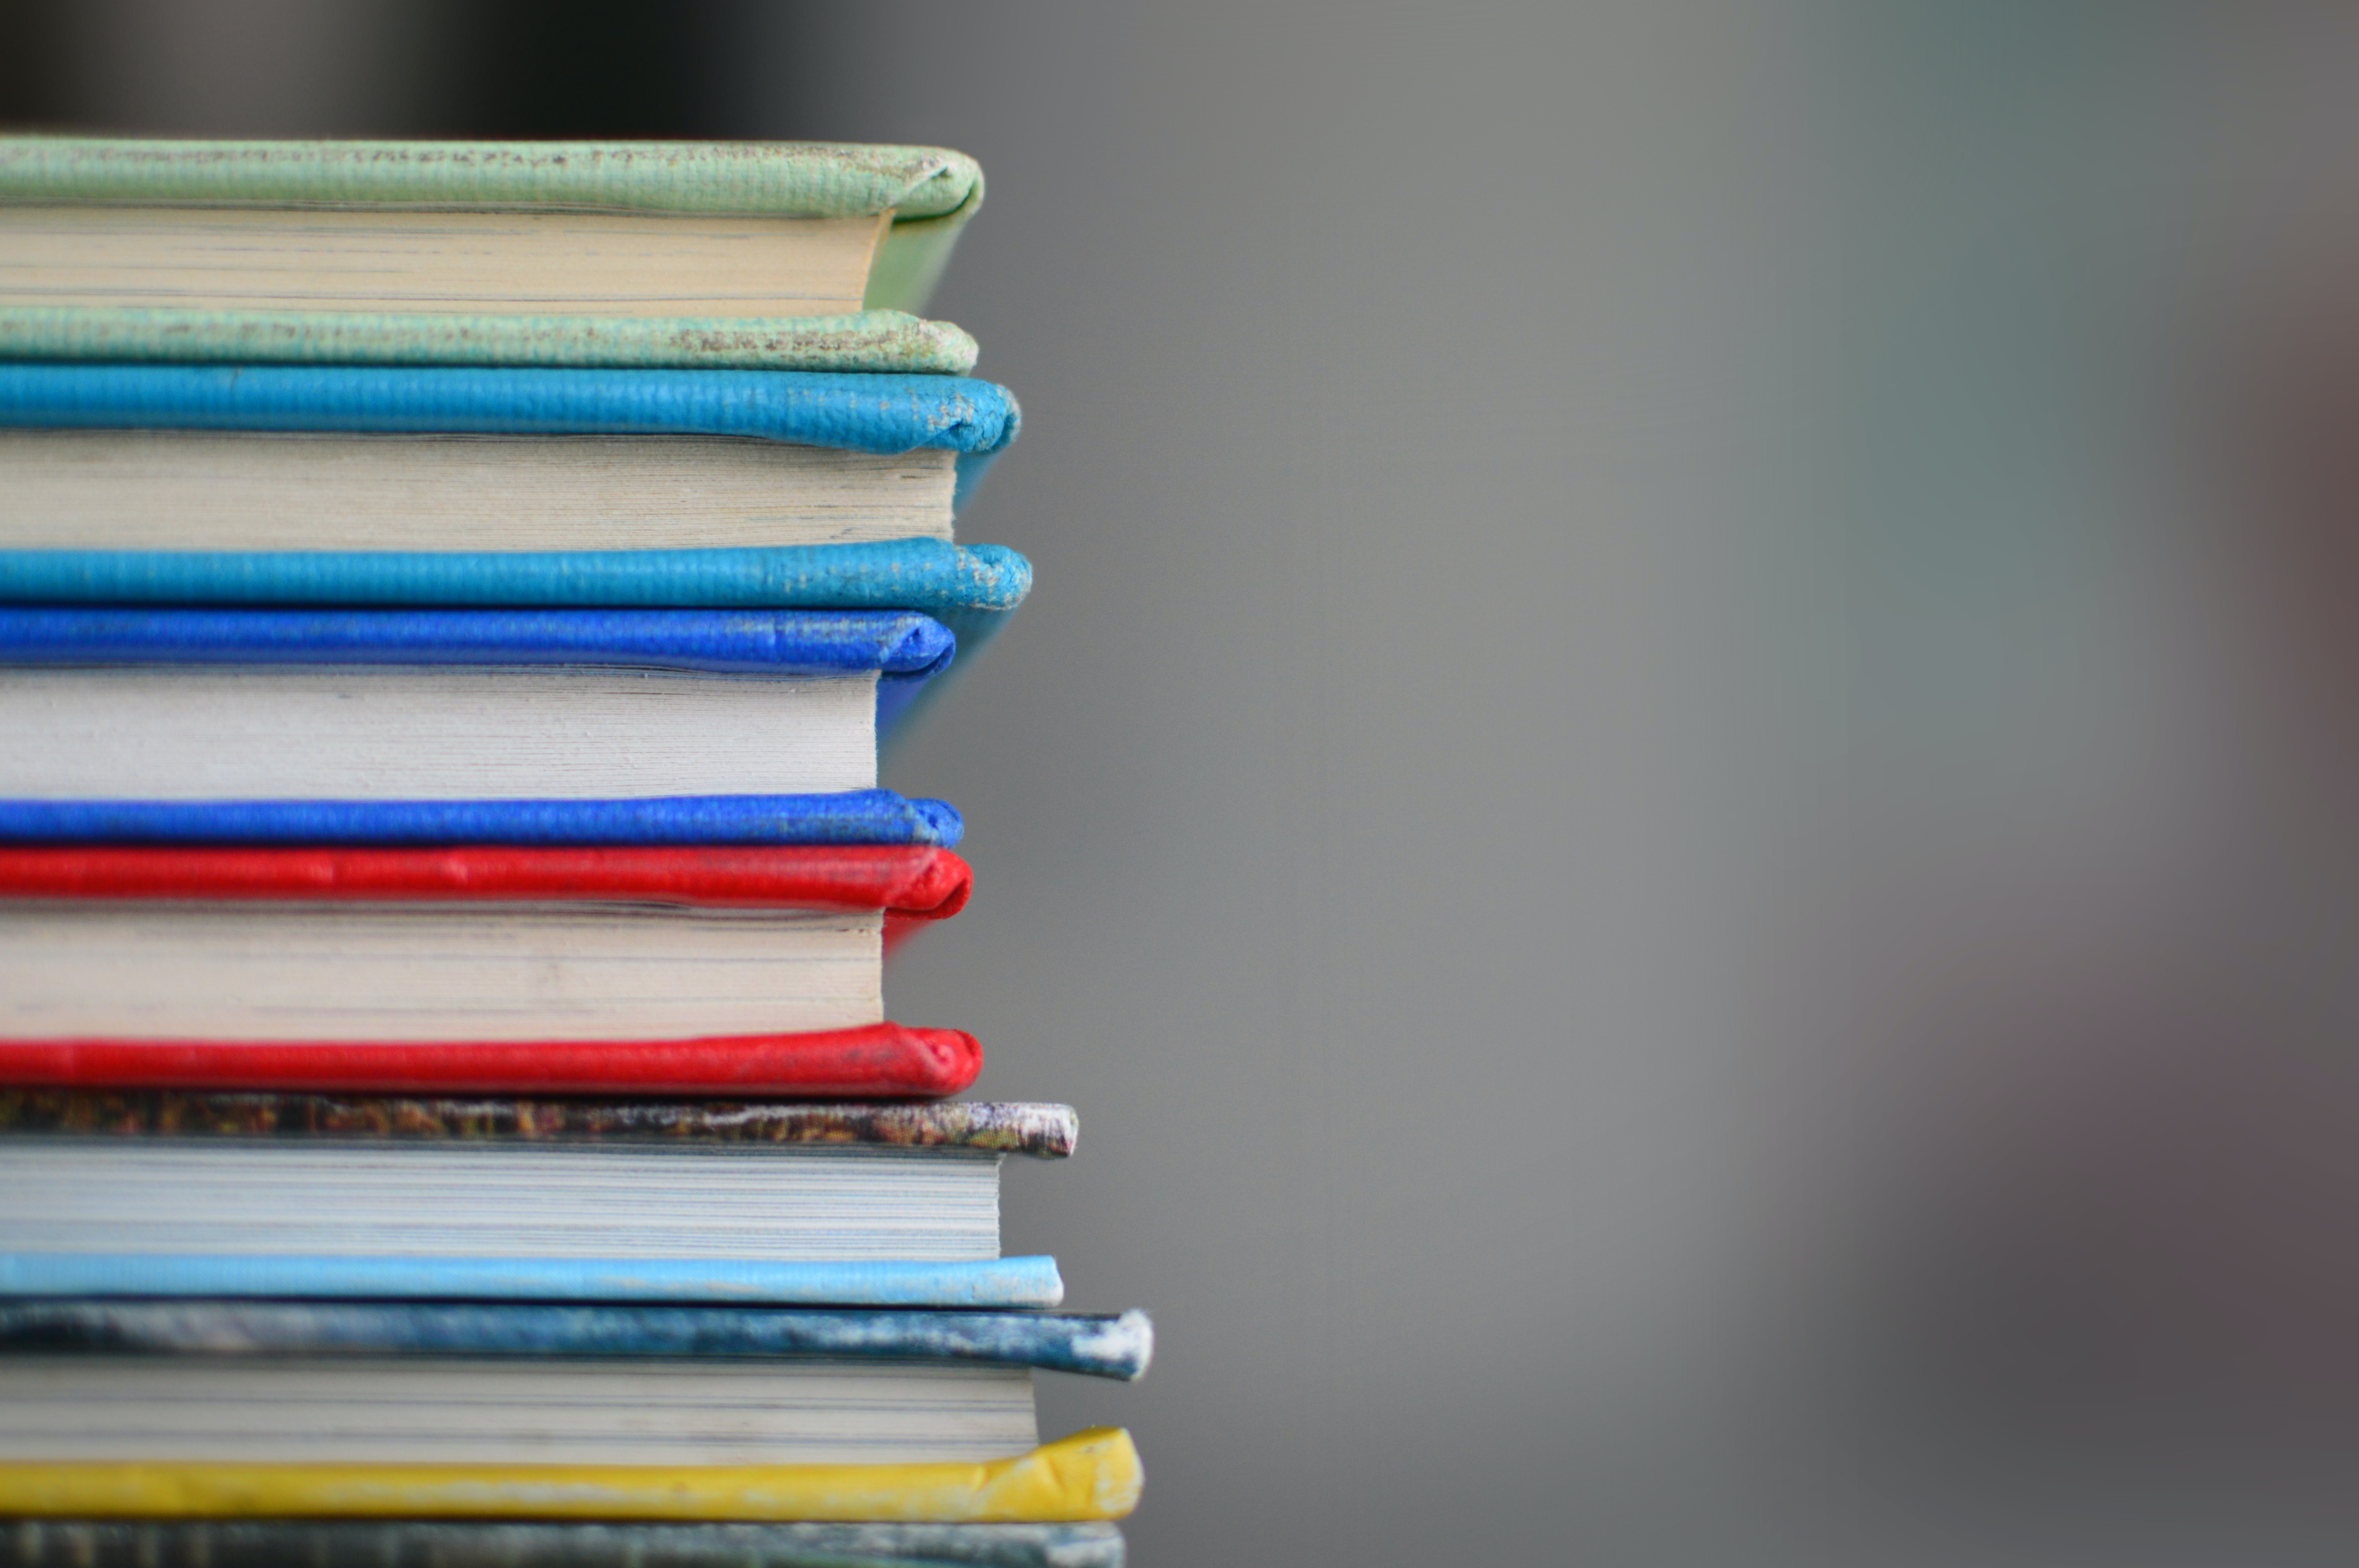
929,192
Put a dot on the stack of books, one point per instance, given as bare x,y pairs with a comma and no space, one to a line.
450,597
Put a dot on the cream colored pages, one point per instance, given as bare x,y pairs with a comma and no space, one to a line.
103,968
181,490
512,264
416,1410
387,732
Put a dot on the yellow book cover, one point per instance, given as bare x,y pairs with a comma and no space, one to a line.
1093,1474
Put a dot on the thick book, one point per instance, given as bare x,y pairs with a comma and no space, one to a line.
762,255
184,1194
114,703
159,457
1092,1475
380,1382
398,1543
475,968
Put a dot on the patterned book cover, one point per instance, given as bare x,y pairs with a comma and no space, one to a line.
1042,1131
1100,1344
399,1543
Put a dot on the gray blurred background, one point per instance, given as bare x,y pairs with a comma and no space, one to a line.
1675,796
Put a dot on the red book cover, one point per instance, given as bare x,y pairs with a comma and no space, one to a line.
911,884
915,881
881,1061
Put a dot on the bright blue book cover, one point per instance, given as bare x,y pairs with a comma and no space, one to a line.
902,648
1100,1345
1003,1282
852,816
974,419
895,644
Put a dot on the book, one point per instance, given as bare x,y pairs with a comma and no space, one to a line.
781,254
162,457
476,969
397,1543
145,704
198,1195
480,1410
442,1383
1092,1475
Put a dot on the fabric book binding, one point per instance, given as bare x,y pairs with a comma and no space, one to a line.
161,250
975,420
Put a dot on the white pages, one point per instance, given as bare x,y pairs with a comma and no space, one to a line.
426,732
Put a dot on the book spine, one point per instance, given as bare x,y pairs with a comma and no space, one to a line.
882,1060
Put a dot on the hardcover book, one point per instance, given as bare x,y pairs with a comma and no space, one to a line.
159,457
376,1383
473,968
164,1195
777,255
156,704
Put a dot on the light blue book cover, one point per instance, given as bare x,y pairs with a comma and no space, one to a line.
1000,1283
